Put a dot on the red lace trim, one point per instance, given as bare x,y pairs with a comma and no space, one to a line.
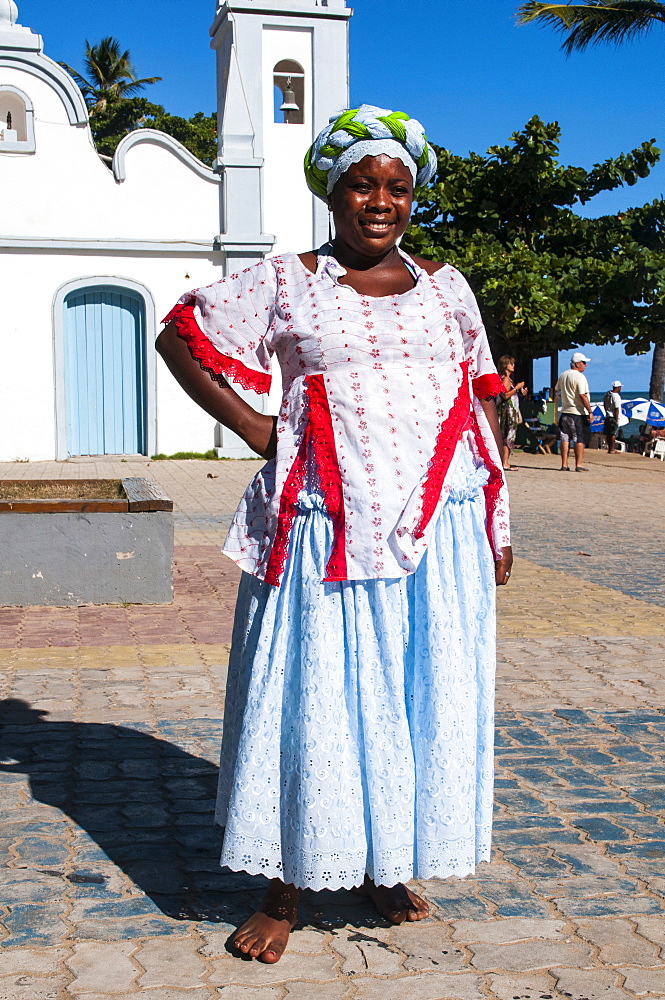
492,487
288,505
487,385
219,366
327,465
444,449
319,436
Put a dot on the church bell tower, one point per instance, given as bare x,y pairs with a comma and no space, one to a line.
282,71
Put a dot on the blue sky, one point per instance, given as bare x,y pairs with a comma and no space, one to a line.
463,68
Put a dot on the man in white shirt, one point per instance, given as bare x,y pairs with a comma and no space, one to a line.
612,404
575,421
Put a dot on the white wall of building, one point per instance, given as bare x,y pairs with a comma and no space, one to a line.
28,385
65,217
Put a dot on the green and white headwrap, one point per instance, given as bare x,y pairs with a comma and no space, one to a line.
367,131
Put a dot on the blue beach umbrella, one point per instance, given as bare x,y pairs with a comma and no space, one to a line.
598,418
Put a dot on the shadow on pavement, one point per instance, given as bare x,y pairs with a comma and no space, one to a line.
145,804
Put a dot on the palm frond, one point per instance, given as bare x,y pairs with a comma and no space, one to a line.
596,21
81,81
110,74
146,79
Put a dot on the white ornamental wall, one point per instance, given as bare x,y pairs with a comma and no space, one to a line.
64,189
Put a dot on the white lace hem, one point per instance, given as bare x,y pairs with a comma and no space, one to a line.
333,871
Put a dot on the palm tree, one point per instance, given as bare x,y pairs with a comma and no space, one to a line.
110,75
603,21
595,21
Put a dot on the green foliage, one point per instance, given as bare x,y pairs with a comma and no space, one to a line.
198,134
595,21
207,456
110,74
546,278
110,87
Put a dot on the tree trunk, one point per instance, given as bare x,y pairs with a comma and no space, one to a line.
657,381
524,372
554,370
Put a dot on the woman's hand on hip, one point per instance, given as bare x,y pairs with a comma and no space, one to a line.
503,567
217,397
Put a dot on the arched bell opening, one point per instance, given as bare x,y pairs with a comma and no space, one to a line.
289,93
16,121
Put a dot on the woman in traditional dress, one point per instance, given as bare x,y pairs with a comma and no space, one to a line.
358,726
508,408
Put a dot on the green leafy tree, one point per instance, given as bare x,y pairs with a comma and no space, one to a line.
109,75
546,278
596,21
198,133
603,21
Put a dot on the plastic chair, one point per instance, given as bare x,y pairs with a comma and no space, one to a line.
658,449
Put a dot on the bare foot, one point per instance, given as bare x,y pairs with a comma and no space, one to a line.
265,934
396,903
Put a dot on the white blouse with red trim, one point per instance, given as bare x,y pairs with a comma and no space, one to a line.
378,396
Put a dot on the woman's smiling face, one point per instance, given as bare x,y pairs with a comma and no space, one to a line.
371,204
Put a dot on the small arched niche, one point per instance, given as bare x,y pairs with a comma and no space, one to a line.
289,88
16,121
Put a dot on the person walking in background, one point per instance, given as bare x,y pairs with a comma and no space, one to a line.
612,404
572,389
508,407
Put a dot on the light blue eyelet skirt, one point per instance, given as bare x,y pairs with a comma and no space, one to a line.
358,728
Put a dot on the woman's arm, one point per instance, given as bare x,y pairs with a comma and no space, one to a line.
489,406
258,430
510,389
502,566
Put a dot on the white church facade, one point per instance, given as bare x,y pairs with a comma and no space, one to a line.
94,253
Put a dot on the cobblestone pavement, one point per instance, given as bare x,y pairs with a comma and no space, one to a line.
109,867
602,525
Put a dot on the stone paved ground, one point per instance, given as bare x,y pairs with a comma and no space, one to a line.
111,887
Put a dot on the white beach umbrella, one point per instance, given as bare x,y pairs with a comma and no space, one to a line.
650,411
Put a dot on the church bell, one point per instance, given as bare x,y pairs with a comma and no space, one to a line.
289,102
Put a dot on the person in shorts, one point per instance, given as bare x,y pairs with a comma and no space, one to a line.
572,389
612,404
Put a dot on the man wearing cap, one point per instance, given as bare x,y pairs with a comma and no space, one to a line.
575,420
612,404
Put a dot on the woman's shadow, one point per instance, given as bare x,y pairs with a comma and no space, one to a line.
147,803
149,806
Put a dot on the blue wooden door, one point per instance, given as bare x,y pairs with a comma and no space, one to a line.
105,391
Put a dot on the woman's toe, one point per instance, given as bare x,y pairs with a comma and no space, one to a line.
271,955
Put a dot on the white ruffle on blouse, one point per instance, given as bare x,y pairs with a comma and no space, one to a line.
378,393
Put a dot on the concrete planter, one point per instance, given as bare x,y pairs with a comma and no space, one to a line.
64,552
